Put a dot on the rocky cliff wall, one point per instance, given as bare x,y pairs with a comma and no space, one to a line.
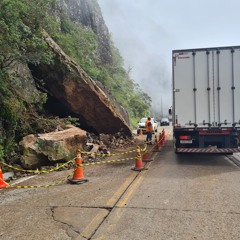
88,13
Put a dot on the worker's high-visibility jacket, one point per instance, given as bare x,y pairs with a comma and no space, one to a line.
149,127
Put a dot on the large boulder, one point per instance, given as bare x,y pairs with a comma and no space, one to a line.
41,149
77,93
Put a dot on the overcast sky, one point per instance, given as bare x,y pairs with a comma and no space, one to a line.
146,32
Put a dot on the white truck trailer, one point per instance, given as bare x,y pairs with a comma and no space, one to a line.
206,100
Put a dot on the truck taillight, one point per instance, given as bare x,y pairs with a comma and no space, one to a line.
185,137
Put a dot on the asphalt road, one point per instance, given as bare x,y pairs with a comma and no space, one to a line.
178,197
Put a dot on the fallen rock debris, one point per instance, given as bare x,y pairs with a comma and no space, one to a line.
96,144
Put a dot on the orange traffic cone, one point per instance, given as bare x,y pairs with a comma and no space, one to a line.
2,182
160,145
163,135
140,132
138,163
160,136
78,177
155,148
146,157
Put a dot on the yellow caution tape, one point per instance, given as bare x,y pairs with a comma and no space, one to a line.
38,171
104,162
108,154
76,165
38,186
144,149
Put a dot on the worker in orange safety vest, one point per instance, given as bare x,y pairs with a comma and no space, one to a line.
149,130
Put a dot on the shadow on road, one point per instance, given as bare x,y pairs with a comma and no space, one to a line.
203,159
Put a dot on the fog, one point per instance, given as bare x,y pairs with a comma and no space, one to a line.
146,32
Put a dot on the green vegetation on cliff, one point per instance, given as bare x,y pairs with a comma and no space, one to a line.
21,42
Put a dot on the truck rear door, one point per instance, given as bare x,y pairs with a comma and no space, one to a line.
206,87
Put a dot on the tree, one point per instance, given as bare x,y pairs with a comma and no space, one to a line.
21,32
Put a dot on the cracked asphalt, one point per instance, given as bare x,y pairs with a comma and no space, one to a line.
178,197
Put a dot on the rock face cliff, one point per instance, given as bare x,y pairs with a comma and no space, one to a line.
89,14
